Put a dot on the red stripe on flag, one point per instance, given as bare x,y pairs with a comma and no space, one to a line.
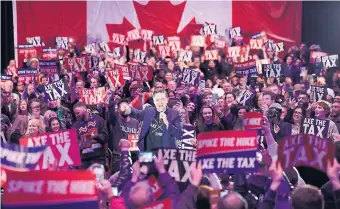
276,18
51,19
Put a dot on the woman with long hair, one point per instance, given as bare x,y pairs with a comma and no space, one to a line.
22,108
193,114
53,125
292,123
18,129
238,120
208,121
183,112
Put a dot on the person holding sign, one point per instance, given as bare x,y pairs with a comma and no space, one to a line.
161,124
322,112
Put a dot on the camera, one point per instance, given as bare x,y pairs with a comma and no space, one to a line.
275,111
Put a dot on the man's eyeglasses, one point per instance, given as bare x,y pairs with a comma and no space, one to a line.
36,107
298,113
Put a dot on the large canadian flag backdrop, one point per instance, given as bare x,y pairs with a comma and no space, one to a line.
94,21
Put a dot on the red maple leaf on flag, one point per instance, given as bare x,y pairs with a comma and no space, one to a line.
162,17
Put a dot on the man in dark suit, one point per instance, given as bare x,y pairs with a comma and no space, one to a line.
161,125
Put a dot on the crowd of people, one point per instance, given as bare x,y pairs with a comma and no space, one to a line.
157,110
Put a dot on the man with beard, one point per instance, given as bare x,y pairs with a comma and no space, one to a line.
335,114
303,101
161,124
93,136
121,126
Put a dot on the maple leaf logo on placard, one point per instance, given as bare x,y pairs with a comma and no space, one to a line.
162,17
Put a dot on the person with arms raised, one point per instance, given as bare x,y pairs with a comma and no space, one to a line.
93,136
161,125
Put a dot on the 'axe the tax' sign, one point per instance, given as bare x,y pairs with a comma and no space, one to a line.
56,90
146,34
61,42
77,64
115,78
271,70
317,127
256,43
235,32
198,41
330,61
305,150
178,162
164,50
158,39
133,35
246,69
140,72
184,56
118,38
318,93
175,43
210,54
62,147
188,139
190,76
35,41
208,29
227,151
93,96
233,51
279,47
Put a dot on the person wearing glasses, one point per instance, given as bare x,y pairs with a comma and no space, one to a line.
34,107
292,122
